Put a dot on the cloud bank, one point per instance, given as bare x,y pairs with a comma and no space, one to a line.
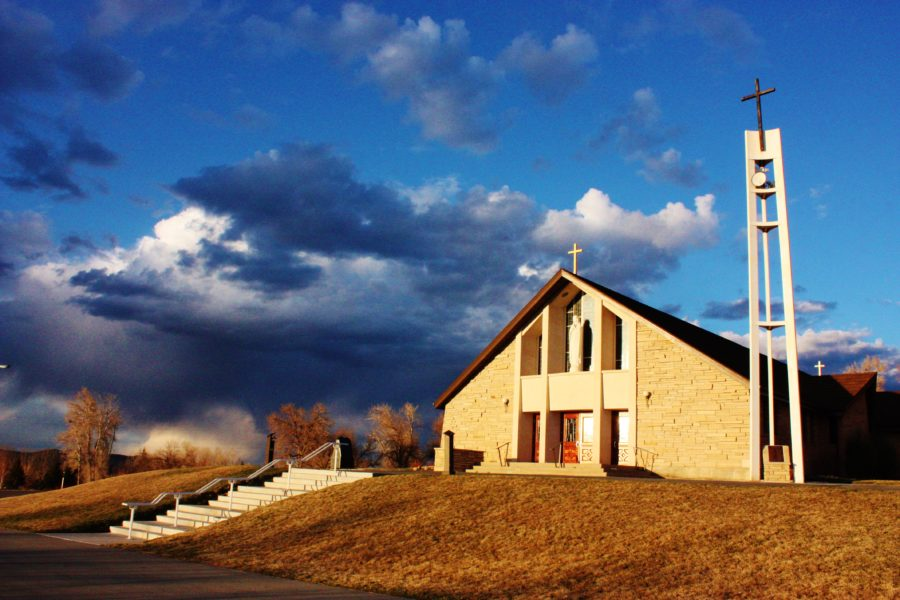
285,278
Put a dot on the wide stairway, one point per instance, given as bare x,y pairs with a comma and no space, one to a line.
235,502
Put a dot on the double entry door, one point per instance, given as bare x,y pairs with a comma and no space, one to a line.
578,437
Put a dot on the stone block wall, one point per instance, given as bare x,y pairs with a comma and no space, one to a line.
478,414
776,464
697,420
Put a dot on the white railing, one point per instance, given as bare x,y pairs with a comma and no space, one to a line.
335,464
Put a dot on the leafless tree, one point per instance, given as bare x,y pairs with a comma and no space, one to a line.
299,431
92,424
394,434
871,364
11,474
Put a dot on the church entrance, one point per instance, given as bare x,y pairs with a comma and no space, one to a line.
620,447
578,437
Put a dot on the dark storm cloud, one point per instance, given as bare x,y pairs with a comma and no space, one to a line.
42,165
75,243
27,51
272,272
82,149
24,238
98,69
98,281
31,61
306,198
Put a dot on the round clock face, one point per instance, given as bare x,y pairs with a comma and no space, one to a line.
758,179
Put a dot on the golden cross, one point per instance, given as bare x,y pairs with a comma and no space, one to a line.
575,251
759,94
819,366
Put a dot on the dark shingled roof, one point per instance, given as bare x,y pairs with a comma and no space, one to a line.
825,393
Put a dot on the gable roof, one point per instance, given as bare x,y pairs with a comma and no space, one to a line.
854,382
730,355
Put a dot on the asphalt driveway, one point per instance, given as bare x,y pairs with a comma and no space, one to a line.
41,566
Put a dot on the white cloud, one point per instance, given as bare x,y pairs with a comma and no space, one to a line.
542,273
840,345
812,306
432,193
596,219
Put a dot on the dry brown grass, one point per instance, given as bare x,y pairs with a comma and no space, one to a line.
516,537
95,506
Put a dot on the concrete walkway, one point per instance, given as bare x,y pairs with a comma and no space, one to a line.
41,566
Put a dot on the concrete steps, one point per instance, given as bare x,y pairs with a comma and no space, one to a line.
235,503
571,470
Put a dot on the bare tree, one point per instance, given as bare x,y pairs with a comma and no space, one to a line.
871,364
394,434
299,432
93,421
11,474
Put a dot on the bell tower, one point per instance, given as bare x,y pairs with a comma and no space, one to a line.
767,218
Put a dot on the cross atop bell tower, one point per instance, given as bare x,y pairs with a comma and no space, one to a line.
758,95
767,214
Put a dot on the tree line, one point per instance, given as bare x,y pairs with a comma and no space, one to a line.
391,441
93,420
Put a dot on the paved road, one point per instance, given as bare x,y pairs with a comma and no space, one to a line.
39,566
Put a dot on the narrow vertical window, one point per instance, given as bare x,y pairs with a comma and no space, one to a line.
587,346
540,353
619,362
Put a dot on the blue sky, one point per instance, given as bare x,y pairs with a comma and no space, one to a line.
211,208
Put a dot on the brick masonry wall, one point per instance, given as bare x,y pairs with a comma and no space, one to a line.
478,415
697,420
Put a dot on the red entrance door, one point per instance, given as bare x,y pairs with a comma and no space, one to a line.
537,438
570,438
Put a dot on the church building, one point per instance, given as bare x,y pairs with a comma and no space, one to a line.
585,380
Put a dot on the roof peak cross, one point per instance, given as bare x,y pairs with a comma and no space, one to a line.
759,94
575,251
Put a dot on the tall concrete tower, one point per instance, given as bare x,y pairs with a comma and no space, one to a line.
767,217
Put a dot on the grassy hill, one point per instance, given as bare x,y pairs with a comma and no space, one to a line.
95,506
516,537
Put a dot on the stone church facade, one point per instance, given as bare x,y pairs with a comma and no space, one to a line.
584,376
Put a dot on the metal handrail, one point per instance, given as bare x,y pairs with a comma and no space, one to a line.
503,463
231,481
639,452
